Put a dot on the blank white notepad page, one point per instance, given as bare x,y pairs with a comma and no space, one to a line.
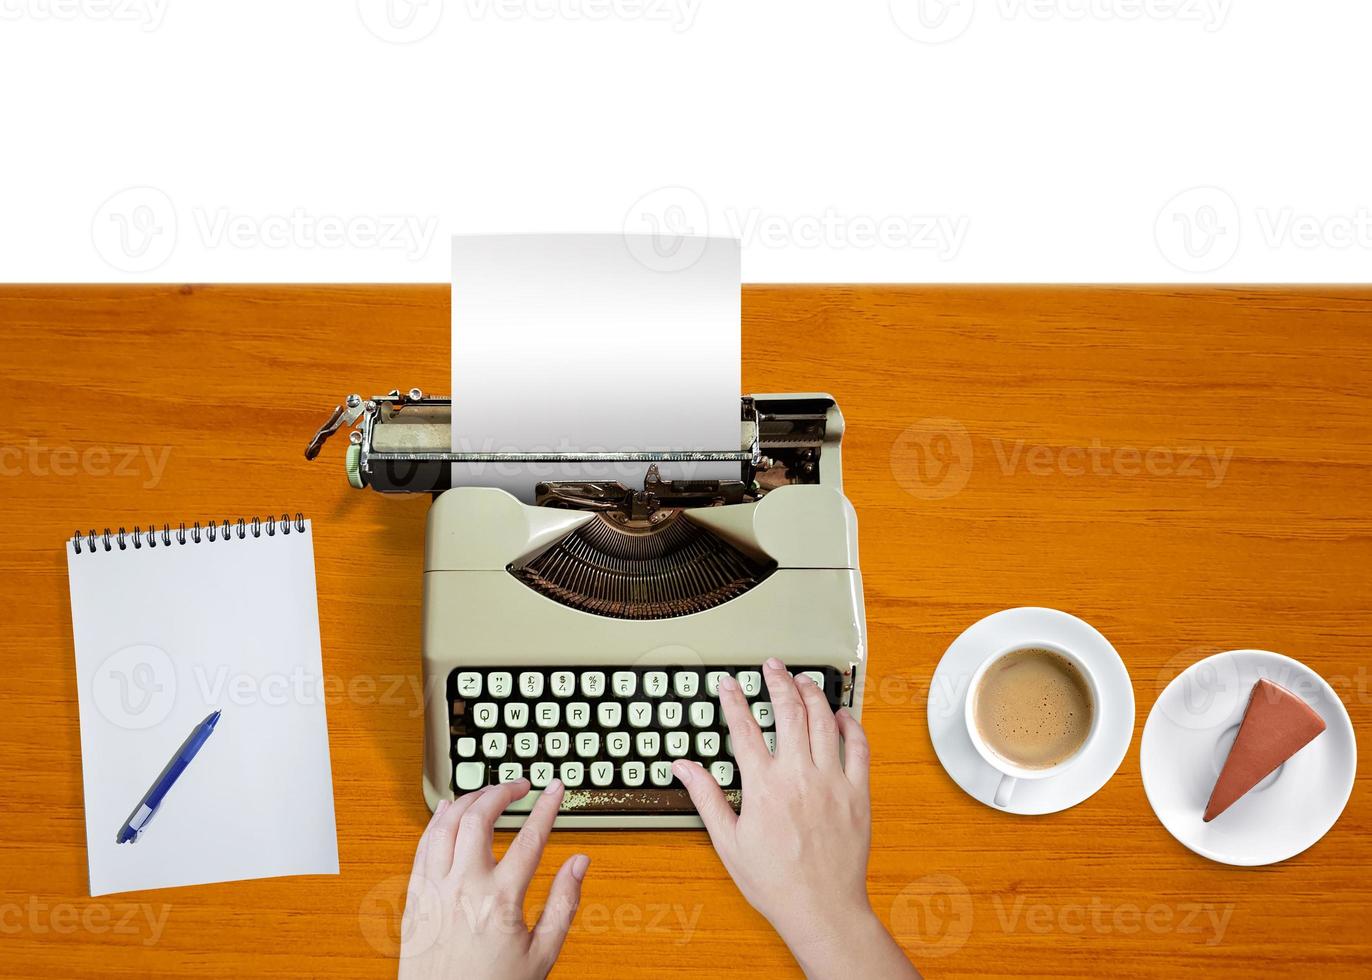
166,634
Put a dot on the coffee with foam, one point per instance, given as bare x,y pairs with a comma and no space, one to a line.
1033,708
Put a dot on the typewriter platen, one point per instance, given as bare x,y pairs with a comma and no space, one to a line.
582,637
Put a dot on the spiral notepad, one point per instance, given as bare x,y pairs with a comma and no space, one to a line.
172,622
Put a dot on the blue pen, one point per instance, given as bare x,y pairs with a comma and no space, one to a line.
142,813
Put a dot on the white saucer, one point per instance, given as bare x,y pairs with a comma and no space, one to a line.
1186,740
948,692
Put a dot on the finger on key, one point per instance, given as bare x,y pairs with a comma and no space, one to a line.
823,726
441,834
788,712
749,749
857,757
476,829
526,850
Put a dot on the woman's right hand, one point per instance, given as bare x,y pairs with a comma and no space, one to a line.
798,850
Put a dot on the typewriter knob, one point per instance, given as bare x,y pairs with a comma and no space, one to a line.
352,461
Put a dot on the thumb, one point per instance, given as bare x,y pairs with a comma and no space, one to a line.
716,813
560,910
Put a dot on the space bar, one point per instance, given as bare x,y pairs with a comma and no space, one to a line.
646,800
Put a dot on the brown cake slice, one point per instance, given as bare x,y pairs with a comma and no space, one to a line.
1276,725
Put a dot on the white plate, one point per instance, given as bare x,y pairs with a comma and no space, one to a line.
948,692
1186,740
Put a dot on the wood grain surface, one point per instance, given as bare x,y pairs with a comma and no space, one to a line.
1005,446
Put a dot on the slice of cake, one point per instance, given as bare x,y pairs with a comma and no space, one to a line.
1276,725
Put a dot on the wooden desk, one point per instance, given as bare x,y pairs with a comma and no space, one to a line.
1169,561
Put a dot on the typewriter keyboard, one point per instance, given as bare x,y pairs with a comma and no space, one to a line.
609,734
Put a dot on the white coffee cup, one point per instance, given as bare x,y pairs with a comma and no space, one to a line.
1011,773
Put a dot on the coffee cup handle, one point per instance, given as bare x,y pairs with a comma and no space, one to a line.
1005,789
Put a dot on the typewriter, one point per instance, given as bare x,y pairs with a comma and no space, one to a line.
582,637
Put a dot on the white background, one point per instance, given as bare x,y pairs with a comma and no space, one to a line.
901,140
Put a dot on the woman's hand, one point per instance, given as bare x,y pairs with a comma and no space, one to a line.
798,850
464,912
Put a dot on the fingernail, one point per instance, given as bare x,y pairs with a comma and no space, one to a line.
682,771
775,664
554,787
442,805
804,679
579,865
728,683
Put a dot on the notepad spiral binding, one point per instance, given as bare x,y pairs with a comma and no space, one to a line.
195,534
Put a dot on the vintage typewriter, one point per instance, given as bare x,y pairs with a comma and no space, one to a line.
583,637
